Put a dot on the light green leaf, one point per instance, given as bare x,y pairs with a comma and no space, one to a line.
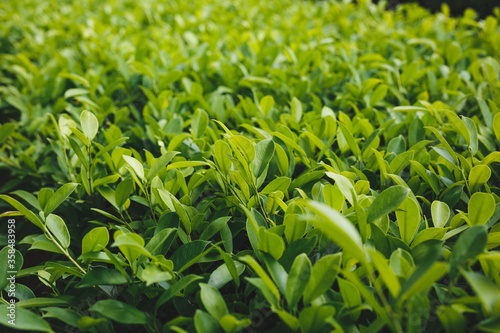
478,176
232,324
21,208
59,229
481,208
264,278
90,124
408,217
429,233
266,104
213,301
264,152
95,240
135,165
323,274
160,163
386,202
199,123
471,127
314,318
205,323
153,274
386,273
440,213
58,198
336,227
297,279
487,291
271,243
221,275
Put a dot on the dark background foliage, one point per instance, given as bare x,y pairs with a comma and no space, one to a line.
457,7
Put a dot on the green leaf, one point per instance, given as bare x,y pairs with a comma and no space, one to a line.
266,284
481,208
336,227
264,152
422,280
186,164
297,279
199,123
440,213
478,176
44,196
221,275
270,243
291,321
452,320
135,165
429,233
203,322
187,251
106,180
95,240
344,185
132,246
58,227
120,312
90,124
214,227
6,130
102,276
41,301
153,274
350,140
213,301
23,319
29,198
488,292
471,127
160,163
296,109
176,288
323,274
21,208
266,104
222,152
6,266
350,293
496,126
386,202
278,184
408,217
161,242
469,244
386,273
67,316
232,325
78,151
244,146
315,318
58,197
123,191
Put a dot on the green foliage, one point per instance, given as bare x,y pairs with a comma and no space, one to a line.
219,166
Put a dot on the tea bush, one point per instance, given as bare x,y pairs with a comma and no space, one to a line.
209,166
